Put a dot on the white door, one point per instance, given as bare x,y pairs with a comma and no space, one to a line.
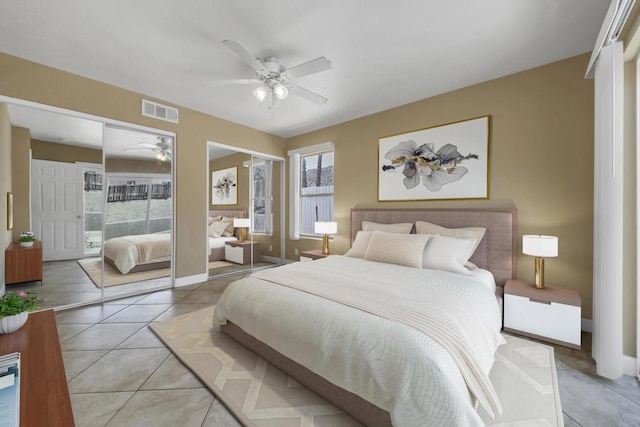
57,209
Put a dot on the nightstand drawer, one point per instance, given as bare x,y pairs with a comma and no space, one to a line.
559,322
234,254
305,259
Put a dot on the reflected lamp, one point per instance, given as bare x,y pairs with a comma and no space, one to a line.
540,247
242,224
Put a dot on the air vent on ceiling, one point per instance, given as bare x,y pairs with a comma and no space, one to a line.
159,111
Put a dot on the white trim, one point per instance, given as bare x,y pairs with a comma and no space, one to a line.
611,28
629,364
637,106
190,280
608,233
325,146
586,325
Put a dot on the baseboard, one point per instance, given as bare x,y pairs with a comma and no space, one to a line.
190,280
270,259
587,325
630,366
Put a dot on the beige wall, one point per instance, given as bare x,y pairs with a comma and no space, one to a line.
234,160
20,170
34,82
541,161
5,185
44,150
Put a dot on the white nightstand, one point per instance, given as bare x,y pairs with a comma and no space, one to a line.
552,314
240,252
313,255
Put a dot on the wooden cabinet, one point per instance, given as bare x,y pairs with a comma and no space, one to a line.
240,252
552,314
44,394
23,264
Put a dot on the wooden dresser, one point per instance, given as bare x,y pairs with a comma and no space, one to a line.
44,395
23,264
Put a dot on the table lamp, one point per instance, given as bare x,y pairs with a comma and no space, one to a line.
242,224
325,228
540,247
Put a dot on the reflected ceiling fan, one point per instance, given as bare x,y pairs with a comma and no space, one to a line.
273,78
162,148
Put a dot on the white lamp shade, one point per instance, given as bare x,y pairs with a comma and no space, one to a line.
261,93
540,246
326,227
242,222
280,90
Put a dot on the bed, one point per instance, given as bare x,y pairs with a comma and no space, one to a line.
132,254
331,325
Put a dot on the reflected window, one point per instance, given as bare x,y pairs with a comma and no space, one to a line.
262,199
92,199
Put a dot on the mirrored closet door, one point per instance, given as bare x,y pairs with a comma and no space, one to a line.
245,192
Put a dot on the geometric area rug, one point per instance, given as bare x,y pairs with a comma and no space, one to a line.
260,395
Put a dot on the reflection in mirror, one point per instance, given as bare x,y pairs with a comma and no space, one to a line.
59,201
138,212
254,198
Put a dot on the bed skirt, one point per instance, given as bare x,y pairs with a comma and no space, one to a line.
141,267
357,407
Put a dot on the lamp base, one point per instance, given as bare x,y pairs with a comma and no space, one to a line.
241,239
539,273
325,244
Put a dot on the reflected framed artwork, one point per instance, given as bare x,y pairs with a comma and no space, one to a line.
444,162
9,210
224,186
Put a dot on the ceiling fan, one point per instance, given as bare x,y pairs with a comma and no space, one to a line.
273,78
162,148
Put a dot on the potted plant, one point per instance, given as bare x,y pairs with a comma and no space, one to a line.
15,308
26,238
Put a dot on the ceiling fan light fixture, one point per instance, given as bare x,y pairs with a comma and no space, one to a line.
280,91
260,93
161,155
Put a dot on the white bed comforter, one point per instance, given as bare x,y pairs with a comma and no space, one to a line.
420,380
129,251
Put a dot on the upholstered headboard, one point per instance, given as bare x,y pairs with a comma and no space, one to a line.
231,213
497,250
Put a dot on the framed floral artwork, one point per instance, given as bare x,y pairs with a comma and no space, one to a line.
9,210
449,161
224,186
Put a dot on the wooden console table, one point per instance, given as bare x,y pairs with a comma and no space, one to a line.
44,395
23,264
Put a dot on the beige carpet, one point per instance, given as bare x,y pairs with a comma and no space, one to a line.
112,277
260,395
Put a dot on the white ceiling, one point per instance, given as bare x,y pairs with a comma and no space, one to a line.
384,53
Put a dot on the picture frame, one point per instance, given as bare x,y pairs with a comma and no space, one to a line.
224,186
9,210
444,162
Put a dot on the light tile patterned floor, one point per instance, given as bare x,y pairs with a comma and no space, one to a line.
120,374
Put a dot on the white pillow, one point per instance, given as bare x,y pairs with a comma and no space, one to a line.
447,254
476,233
214,219
401,227
360,244
216,229
396,248
228,232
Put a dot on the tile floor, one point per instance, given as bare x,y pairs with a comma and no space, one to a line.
120,374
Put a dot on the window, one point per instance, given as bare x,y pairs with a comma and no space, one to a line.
311,188
262,199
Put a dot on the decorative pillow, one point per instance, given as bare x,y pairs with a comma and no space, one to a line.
447,253
216,229
396,248
228,232
360,244
401,227
475,233
214,219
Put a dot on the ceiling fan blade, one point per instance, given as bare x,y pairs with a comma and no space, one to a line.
138,149
150,145
307,94
230,82
248,57
311,67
